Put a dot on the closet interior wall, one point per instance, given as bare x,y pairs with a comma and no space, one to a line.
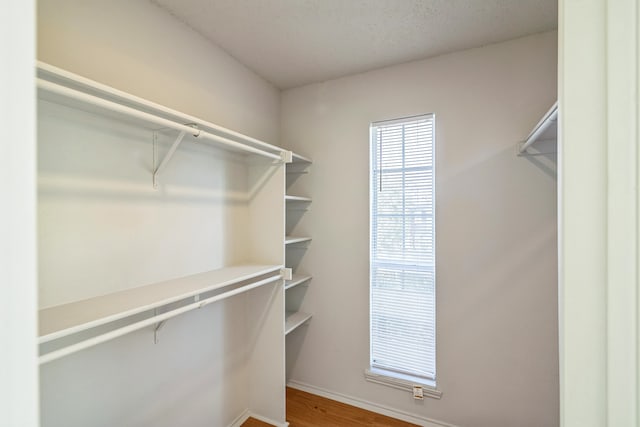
103,227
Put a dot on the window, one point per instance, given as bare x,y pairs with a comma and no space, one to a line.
403,249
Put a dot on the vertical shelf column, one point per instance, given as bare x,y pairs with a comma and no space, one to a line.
266,374
295,245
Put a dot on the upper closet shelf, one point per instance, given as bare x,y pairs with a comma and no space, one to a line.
298,164
545,130
70,89
68,319
297,158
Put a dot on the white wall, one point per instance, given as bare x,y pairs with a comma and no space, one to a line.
497,352
102,227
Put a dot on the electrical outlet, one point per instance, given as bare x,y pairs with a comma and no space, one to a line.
417,392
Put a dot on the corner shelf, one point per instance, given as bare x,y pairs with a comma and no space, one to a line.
295,319
297,279
291,240
297,158
297,199
299,165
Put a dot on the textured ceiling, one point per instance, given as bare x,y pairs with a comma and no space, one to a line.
294,42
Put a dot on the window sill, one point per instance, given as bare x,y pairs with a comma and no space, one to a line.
402,382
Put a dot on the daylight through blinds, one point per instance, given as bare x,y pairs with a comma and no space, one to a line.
403,246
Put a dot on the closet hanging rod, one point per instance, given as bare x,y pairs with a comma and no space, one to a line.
549,118
59,73
116,333
132,112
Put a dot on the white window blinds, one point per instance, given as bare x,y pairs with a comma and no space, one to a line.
403,247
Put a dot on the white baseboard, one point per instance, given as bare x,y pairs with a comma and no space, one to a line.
245,415
267,420
369,406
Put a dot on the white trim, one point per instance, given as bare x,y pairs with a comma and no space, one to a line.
240,419
582,210
380,377
19,395
622,214
403,119
598,208
369,406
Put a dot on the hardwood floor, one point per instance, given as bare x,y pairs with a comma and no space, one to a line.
309,410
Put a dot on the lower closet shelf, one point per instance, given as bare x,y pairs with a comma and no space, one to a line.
293,319
297,279
67,319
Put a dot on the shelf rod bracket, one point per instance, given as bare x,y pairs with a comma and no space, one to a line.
169,155
286,156
156,330
286,273
158,326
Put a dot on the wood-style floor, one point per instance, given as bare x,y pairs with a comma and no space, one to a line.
309,410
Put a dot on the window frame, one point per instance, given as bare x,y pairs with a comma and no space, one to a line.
374,373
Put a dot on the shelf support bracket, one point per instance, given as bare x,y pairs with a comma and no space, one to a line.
156,330
158,326
163,164
167,157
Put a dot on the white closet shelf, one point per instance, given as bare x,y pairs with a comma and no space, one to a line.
297,158
62,87
290,240
67,319
294,319
297,199
545,130
297,279
298,164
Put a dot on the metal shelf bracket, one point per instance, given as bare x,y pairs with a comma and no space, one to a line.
156,330
169,155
